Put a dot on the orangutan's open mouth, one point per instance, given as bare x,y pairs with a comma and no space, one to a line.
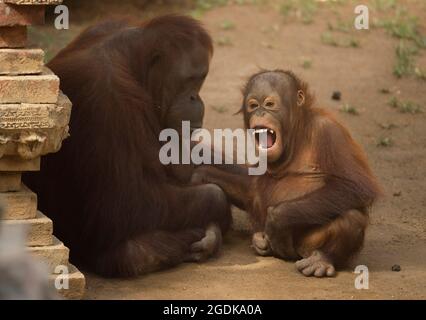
271,136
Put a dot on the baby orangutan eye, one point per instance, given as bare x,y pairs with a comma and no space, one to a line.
252,104
269,103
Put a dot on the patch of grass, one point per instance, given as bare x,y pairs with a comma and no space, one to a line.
306,63
387,126
347,108
405,64
220,109
383,5
201,6
303,10
340,25
405,106
224,41
354,43
385,142
328,39
227,25
404,26
420,73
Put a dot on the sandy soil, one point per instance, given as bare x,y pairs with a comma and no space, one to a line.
397,234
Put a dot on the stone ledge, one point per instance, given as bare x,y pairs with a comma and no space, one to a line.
20,205
53,255
39,229
21,61
43,88
13,37
13,15
77,284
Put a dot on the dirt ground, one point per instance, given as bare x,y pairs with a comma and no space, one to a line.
261,38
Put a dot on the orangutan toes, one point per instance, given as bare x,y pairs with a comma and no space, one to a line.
316,265
260,244
207,246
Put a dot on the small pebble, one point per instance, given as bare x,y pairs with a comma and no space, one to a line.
336,95
396,268
397,194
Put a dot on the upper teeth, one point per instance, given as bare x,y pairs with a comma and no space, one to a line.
264,131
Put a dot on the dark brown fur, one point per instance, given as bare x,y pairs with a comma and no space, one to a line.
122,212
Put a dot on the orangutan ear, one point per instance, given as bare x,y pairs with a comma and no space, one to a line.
300,98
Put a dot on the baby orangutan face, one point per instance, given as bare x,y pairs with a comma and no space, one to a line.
268,103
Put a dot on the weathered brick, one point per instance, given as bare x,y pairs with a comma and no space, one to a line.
34,2
39,230
53,256
43,88
20,205
13,15
17,164
10,181
32,130
76,282
21,61
13,37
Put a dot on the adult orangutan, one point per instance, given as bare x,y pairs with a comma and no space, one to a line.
122,212
312,203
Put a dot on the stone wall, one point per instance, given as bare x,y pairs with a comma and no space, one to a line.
34,118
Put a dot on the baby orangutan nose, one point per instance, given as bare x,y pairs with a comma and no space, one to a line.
261,244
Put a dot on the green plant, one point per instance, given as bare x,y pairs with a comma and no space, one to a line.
404,26
328,39
347,108
306,63
404,59
224,41
383,5
384,142
405,106
301,9
387,126
201,6
220,109
227,25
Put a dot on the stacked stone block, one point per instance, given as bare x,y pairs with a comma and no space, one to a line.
34,118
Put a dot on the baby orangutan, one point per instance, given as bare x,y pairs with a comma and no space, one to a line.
312,203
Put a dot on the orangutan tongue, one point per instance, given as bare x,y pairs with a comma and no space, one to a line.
270,140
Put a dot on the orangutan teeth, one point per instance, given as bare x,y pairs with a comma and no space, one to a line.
264,130
261,131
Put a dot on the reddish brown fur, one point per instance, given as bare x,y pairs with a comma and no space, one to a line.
317,195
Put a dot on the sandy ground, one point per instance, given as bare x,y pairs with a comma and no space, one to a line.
397,234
